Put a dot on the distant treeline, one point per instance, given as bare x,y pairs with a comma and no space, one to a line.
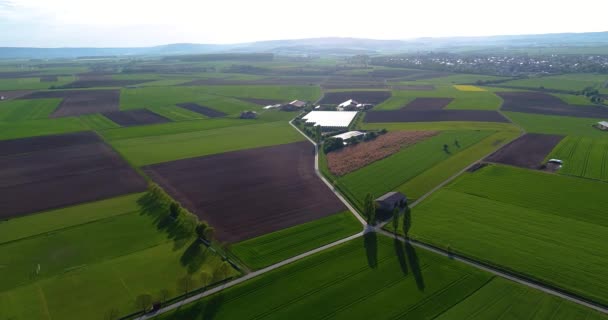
223,57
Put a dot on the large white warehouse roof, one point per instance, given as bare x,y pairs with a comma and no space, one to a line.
336,119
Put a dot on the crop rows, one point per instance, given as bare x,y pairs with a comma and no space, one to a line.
583,157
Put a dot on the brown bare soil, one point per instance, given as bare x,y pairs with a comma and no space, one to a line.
248,193
48,79
358,156
404,115
79,102
529,151
542,103
135,117
8,95
373,97
206,111
48,172
423,104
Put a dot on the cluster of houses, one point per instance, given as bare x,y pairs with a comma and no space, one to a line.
352,105
295,105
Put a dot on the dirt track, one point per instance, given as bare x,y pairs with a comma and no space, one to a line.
79,102
48,172
528,151
206,111
405,115
249,193
542,103
135,117
373,97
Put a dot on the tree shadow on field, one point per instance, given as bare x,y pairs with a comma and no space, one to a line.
400,255
412,257
176,230
194,256
370,241
212,306
206,309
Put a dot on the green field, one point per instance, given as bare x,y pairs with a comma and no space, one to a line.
40,127
442,126
33,83
548,227
462,99
163,148
570,82
567,126
277,246
391,173
176,113
97,121
583,157
375,278
104,253
20,110
429,179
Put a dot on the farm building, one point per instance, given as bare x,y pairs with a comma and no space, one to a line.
273,106
347,135
391,200
249,115
294,105
351,105
330,119
602,125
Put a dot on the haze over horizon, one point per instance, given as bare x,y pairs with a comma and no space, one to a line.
114,23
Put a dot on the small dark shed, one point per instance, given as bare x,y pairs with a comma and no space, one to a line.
391,200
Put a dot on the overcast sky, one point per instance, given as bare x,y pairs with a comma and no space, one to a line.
107,23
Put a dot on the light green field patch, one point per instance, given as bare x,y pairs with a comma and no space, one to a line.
20,110
567,126
156,149
176,113
98,122
442,126
277,246
40,127
583,157
463,100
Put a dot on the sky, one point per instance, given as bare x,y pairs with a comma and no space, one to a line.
135,23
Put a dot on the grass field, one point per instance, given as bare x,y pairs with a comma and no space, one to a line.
163,148
20,110
459,78
548,227
426,181
573,99
277,246
583,157
463,100
374,278
97,121
32,83
570,126
40,127
176,113
571,82
391,173
96,257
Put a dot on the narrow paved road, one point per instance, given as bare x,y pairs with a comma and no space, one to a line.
379,230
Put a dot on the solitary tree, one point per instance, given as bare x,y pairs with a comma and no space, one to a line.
205,279
200,229
143,302
163,295
395,219
369,209
318,134
174,210
209,233
407,220
445,148
184,284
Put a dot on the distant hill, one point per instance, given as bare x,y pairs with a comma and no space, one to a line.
337,46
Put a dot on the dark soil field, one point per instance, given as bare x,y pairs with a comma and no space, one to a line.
48,79
542,103
79,102
425,104
17,74
286,80
206,111
48,172
8,95
528,151
249,193
373,97
415,88
137,117
404,115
